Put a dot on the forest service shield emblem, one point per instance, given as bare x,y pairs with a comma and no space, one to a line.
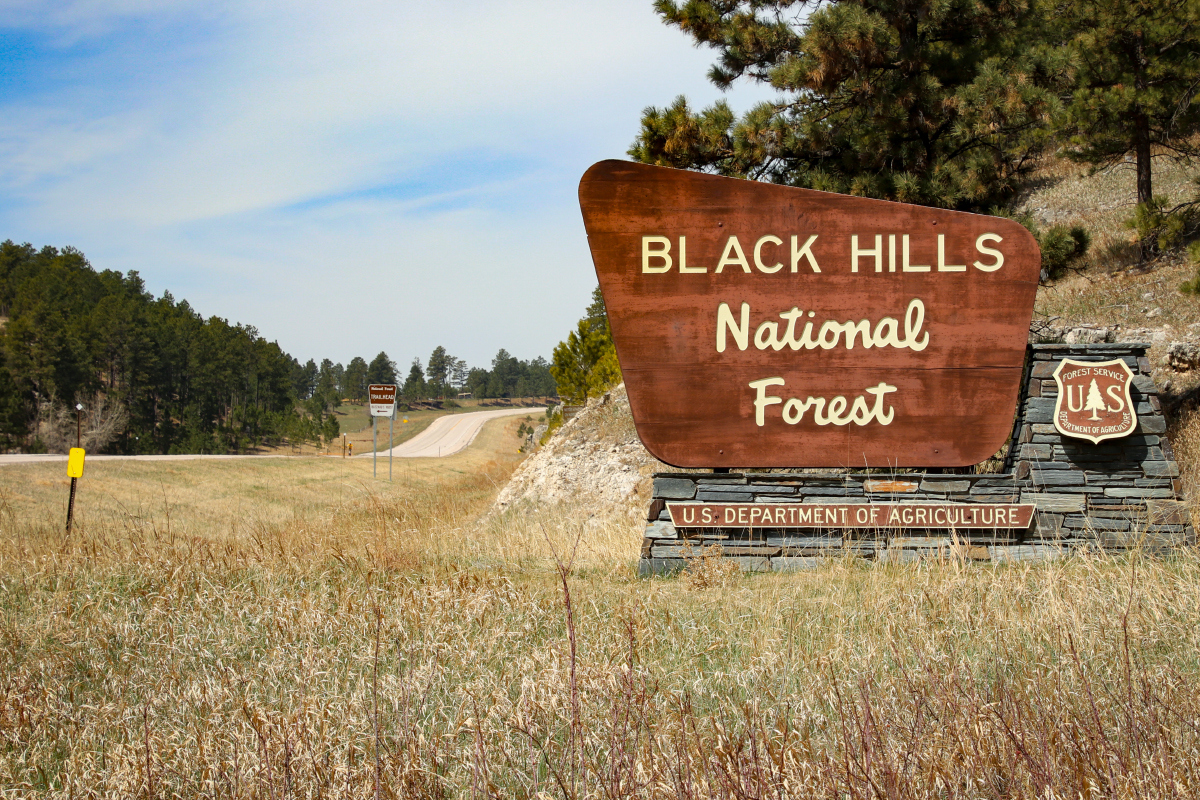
1093,400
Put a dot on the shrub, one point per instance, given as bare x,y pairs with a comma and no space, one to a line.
1061,246
1193,286
1158,226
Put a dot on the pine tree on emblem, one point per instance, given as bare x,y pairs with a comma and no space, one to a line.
1094,401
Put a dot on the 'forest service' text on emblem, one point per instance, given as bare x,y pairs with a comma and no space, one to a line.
1093,400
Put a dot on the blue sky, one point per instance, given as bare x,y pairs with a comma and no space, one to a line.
348,177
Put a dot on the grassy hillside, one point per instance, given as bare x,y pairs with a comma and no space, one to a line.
1108,288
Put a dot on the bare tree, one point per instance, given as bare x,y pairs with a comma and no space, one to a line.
103,420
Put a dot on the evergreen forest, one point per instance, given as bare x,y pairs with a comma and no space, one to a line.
152,375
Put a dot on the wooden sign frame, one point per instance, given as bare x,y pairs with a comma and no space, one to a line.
760,325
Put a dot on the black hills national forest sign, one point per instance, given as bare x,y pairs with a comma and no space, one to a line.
768,326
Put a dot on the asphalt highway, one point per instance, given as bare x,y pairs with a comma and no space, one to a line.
445,437
449,434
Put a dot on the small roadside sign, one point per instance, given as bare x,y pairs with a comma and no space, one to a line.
383,399
75,463
74,472
383,404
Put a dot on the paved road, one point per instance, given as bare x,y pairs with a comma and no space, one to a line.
447,435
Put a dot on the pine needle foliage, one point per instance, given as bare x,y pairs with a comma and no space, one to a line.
1136,71
585,365
938,102
1136,66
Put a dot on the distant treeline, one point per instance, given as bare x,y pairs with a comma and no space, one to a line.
154,376
510,377
443,377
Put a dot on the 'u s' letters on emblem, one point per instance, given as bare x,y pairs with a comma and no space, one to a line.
1094,400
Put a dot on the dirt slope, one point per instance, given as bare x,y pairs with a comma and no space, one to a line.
594,459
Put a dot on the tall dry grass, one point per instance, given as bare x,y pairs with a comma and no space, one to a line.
325,636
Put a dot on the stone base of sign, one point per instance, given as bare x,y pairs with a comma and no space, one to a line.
1116,495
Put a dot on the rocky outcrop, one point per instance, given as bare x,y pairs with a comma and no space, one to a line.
1183,356
594,458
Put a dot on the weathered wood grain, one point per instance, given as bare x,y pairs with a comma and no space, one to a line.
953,401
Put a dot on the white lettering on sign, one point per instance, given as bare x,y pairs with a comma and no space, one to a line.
977,516
839,410
804,252
733,256
656,247
758,262
988,251
797,329
908,266
877,253
942,265
1075,392
382,399
886,332
658,258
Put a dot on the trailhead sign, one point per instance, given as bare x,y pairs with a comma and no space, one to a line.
382,397
760,325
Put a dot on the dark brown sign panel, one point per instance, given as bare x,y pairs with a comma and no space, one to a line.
768,326
961,516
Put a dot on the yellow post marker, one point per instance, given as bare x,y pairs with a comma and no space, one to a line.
74,472
75,463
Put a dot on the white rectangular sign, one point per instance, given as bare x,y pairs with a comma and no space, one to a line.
383,399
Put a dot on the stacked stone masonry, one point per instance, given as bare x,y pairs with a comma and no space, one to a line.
1119,494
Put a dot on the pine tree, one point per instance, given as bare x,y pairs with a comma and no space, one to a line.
939,102
1094,401
437,370
414,386
381,369
586,363
1136,73
355,379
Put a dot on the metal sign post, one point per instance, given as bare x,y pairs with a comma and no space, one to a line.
391,438
383,404
75,464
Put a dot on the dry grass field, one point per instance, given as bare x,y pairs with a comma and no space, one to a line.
291,628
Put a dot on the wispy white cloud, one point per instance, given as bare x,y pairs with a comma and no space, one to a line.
310,167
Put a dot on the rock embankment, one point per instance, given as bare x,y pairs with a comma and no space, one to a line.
595,458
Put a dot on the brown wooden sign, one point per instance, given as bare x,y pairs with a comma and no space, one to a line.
960,516
1094,402
768,326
